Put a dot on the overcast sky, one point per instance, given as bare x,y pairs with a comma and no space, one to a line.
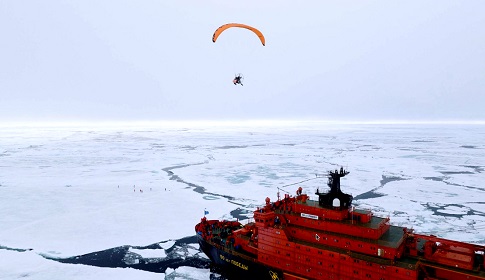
116,60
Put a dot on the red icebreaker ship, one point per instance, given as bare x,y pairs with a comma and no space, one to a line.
299,238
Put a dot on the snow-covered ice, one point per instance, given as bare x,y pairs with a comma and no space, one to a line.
69,191
149,253
30,265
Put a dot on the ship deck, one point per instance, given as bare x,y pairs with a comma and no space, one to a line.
407,262
374,223
392,238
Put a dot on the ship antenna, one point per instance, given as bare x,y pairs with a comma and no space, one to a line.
280,189
317,177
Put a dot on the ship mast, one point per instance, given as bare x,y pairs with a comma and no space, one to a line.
335,198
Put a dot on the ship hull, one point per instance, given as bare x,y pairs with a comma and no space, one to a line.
234,266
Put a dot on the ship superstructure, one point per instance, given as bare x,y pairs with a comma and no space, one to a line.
299,238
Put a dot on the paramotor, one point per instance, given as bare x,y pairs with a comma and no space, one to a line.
238,79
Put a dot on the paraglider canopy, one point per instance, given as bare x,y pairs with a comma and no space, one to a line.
229,25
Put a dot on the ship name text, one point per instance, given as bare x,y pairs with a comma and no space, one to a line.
310,216
233,262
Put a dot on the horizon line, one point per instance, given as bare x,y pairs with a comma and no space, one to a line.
248,122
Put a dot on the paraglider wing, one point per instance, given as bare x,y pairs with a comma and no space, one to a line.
229,25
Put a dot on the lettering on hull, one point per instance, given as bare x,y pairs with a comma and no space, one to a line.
309,216
233,262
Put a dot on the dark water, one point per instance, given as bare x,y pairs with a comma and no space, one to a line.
374,192
176,256
122,257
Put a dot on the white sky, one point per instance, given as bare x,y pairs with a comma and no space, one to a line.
154,60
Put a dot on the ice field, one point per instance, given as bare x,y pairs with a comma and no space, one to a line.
136,191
